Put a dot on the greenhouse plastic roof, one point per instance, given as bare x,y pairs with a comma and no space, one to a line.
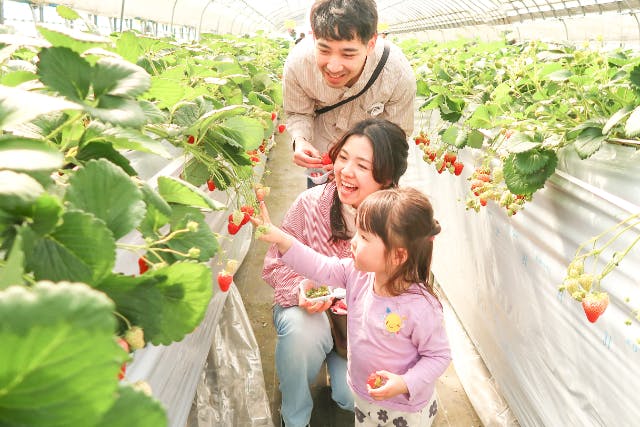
247,16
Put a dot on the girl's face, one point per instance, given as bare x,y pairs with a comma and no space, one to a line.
353,171
369,252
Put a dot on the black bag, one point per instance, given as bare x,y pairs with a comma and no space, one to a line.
338,323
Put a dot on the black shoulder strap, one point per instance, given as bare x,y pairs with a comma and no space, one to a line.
374,76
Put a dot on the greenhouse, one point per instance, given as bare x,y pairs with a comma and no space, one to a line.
321,212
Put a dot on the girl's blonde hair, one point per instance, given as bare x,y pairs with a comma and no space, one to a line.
402,218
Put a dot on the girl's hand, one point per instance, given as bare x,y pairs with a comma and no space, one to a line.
393,386
268,232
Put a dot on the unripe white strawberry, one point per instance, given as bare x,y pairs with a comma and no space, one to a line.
232,266
135,338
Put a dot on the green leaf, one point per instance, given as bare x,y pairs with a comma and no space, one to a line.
118,111
634,76
520,142
133,139
480,119
181,192
248,129
203,238
13,269
475,139
141,410
118,77
67,13
107,192
206,120
104,150
589,141
47,211
18,192
167,92
615,119
455,136
167,303
158,212
261,101
28,155
65,72
75,40
632,126
519,182
59,359
81,248
17,77
19,106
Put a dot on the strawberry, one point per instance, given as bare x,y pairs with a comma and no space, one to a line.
236,217
142,265
254,159
450,157
594,304
245,219
211,185
376,381
326,160
273,116
457,168
260,193
232,266
191,139
224,280
135,338
247,209
262,147
232,228
282,128
125,347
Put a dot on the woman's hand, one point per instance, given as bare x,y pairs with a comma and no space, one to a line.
393,386
314,306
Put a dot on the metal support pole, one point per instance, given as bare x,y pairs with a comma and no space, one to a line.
121,14
173,11
202,16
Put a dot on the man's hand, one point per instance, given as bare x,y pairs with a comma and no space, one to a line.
306,155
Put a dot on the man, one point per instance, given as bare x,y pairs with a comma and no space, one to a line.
337,65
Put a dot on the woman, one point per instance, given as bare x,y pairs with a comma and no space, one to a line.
369,157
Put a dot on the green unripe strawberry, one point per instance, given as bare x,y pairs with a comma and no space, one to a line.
135,338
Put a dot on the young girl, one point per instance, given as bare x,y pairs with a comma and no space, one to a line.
395,324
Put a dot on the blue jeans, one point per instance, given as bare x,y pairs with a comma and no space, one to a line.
304,342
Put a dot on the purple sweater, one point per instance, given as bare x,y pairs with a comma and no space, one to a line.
404,335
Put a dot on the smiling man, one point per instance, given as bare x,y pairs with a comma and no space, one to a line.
338,64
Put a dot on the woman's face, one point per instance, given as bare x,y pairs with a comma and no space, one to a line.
353,171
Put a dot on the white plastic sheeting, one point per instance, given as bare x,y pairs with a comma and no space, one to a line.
501,276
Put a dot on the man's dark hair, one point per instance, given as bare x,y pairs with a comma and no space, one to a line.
344,19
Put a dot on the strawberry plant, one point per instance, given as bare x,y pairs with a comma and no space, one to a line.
71,201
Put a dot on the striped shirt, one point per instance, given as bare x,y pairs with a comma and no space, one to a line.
308,221
391,96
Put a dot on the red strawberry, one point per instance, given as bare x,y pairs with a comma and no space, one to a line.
450,157
260,193
457,168
211,185
326,160
273,116
248,209
594,304
125,347
142,265
245,219
255,159
224,280
282,128
191,139
233,228
262,147
376,381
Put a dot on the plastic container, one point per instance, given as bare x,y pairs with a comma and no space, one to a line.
307,284
318,176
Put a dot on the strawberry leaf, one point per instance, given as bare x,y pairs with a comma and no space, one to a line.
183,193
59,359
20,106
75,40
80,249
157,214
166,290
589,141
107,192
12,270
118,77
28,155
541,164
65,72
249,131
18,192
118,111
632,126
203,238
141,410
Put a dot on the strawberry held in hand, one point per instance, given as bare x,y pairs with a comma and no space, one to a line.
594,304
326,160
375,380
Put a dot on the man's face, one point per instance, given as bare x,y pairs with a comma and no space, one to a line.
342,61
